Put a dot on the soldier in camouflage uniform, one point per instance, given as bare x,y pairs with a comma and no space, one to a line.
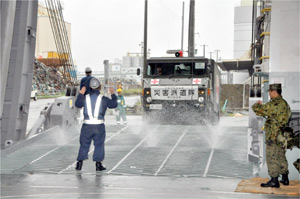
277,113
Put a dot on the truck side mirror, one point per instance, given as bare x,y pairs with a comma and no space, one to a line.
138,71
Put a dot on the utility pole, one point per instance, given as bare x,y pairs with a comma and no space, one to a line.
182,31
145,33
141,60
203,49
142,48
106,76
191,47
217,51
211,54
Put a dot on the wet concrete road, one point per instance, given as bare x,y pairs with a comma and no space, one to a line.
143,161
157,150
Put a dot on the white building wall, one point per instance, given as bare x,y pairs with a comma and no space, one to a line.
285,50
242,30
284,38
242,39
239,77
44,37
115,67
126,62
136,62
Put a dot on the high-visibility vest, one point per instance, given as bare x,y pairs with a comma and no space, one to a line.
93,119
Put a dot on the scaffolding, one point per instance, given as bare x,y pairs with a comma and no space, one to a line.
62,59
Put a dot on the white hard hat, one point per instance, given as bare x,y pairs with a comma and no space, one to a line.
88,70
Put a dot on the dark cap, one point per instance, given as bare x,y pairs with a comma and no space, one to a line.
274,86
88,70
94,83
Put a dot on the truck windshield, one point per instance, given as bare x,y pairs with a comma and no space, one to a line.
176,69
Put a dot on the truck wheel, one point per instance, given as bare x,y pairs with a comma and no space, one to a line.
35,97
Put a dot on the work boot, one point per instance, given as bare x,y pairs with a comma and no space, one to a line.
78,165
272,183
285,179
99,166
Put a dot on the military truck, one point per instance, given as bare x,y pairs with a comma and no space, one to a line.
181,89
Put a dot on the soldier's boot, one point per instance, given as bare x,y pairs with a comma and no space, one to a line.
285,179
99,166
79,165
272,183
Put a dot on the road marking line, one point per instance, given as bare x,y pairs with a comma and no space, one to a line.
55,187
208,163
116,134
170,153
33,161
130,152
110,138
73,164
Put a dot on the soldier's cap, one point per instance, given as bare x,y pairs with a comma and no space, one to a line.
274,86
94,83
88,70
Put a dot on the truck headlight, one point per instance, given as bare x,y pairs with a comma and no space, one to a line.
149,99
201,99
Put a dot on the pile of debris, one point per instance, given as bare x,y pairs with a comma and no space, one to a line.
48,80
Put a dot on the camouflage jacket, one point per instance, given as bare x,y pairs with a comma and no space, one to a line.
277,113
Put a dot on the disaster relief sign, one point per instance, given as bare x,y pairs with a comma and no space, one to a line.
174,92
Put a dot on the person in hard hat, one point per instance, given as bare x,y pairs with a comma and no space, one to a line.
86,80
120,110
93,128
277,113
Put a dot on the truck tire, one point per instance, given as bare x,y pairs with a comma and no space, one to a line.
35,97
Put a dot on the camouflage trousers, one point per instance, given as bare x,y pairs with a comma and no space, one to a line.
276,160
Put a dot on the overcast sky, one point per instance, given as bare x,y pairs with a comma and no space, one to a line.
108,29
